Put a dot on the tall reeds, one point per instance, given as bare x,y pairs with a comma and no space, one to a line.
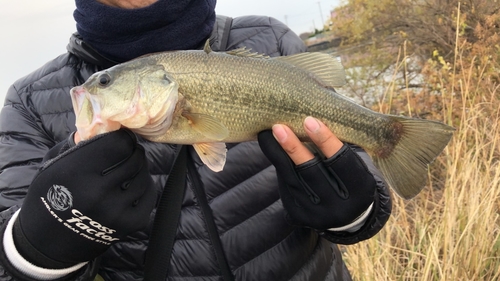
451,231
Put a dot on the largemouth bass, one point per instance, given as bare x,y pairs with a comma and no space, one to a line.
206,99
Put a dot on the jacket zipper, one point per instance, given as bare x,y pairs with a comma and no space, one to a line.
209,220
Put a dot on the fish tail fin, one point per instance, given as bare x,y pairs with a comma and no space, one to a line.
419,143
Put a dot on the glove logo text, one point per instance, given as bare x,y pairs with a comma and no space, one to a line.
59,198
89,228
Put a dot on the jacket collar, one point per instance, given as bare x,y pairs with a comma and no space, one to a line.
84,51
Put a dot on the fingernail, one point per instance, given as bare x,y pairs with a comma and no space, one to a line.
279,133
311,124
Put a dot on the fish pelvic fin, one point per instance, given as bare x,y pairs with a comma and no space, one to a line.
327,69
212,154
405,166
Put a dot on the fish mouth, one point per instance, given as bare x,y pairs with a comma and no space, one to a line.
87,110
77,98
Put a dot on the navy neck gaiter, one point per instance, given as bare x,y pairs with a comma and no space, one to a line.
124,34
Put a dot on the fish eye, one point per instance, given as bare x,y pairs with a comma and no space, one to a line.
166,78
104,79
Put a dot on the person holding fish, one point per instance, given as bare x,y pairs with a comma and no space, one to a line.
86,151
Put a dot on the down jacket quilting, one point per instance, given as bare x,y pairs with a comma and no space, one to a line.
237,211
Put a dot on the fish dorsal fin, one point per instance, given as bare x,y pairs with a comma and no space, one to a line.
207,125
244,52
240,52
327,69
212,154
207,48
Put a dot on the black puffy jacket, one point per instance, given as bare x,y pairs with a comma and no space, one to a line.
232,219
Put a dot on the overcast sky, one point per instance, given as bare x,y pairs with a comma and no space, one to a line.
33,32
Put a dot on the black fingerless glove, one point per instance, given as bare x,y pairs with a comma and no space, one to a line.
321,193
84,200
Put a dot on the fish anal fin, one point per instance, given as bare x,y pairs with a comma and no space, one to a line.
207,125
212,154
326,69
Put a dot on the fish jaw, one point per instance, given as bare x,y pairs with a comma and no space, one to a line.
88,114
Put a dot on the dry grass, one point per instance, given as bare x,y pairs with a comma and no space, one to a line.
451,231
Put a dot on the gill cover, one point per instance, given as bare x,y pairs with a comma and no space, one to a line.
132,96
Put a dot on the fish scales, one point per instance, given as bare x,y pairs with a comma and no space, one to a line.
246,103
206,99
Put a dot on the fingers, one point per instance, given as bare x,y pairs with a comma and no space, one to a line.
291,144
77,138
326,141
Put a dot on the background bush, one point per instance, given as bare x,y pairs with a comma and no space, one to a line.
435,59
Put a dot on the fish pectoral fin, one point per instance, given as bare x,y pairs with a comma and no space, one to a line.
207,125
212,154
327,69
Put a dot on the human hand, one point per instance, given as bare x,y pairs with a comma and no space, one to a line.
84,200
319,134
76,137
318,192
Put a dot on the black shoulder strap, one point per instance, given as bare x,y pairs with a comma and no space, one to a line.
167,215
225,33
220,34
166,221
